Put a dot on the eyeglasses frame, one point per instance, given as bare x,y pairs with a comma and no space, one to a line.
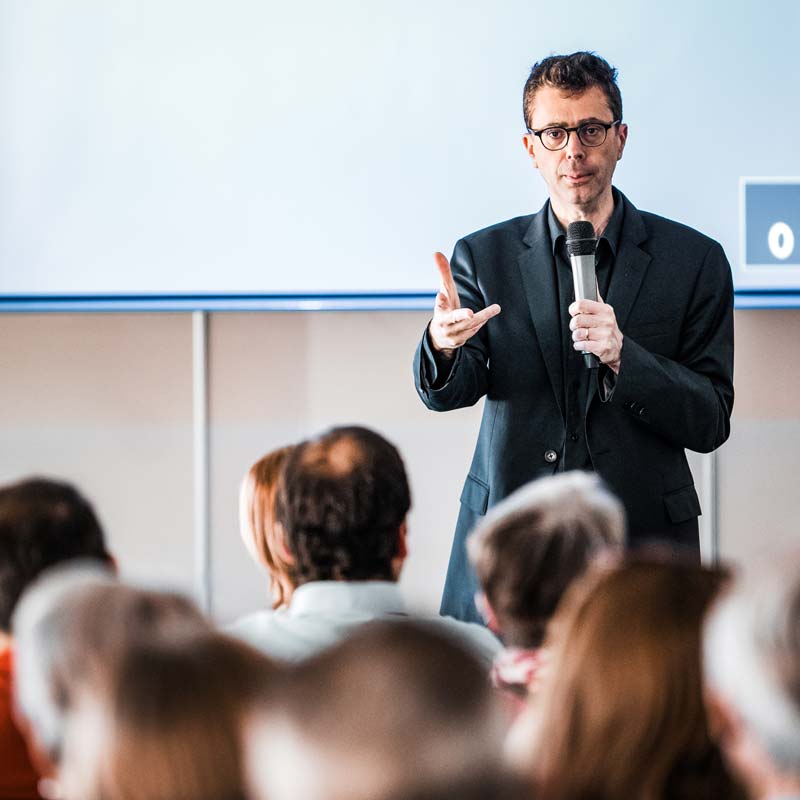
576,130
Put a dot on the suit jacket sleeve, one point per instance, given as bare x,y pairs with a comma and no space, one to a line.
687,401
468,377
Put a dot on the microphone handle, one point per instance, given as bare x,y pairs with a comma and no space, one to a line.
584,279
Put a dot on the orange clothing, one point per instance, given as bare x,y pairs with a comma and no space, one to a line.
18,779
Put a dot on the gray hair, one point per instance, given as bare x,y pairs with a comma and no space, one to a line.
70,628
752,656
567,494
41,624
535,543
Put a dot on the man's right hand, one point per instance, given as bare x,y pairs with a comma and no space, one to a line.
452,325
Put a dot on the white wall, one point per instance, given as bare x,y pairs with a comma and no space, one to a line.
105,401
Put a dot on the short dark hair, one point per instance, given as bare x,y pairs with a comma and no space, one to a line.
574,74
42,523
341,502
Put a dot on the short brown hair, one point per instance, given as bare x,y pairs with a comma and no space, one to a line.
70,628
531,547
396,704
573,74
170,723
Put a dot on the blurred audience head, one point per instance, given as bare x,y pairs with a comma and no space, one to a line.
42,523
169,723
752,667
70,627
260,531
535,543
397,705
496,784
621,712
343,502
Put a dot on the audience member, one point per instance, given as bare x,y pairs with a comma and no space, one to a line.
527,551
260,531
69,627
752,667
494,785
621,712
342,503
168,724
396,705
42,523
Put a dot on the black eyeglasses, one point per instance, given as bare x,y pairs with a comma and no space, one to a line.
591,134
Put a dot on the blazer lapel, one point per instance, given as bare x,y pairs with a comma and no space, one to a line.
629,270
630,265
536,267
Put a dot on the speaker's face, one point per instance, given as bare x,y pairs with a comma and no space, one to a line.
578,176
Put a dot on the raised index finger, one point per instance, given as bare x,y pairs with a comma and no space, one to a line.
446,276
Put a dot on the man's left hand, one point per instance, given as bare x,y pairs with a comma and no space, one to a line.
595,330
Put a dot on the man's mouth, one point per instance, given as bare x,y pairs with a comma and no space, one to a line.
578,177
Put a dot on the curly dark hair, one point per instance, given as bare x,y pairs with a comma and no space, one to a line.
42,523
573,73
341,502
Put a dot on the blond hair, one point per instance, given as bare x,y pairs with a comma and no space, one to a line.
260,529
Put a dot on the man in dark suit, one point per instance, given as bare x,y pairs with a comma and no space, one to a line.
664,337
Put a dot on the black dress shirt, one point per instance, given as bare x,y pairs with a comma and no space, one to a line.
577,378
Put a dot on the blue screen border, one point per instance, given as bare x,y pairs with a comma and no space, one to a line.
410,301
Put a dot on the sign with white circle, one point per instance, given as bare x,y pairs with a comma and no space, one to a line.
770,229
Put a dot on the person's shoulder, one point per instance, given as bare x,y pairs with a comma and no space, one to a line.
508,231
479,638
265,630
663,231
251,625
657,225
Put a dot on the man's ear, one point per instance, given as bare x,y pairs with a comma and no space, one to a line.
401,550
527,140
486,611
402,543
622,136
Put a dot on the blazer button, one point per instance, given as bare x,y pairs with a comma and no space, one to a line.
641,412
550,456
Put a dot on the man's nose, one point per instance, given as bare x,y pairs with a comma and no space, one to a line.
575,148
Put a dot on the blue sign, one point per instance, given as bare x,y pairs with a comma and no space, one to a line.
772,224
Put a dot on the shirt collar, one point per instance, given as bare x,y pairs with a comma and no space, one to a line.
315,597
611,234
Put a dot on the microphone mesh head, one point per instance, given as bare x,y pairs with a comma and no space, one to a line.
581,240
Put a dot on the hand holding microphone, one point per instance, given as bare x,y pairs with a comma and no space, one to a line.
594,326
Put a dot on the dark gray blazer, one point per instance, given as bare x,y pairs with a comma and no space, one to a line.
672,294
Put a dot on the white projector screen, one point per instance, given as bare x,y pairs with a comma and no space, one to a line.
247,148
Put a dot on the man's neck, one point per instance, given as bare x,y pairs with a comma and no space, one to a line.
598,214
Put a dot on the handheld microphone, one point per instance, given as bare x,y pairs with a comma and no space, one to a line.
581,246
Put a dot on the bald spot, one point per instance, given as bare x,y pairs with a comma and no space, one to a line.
334,459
